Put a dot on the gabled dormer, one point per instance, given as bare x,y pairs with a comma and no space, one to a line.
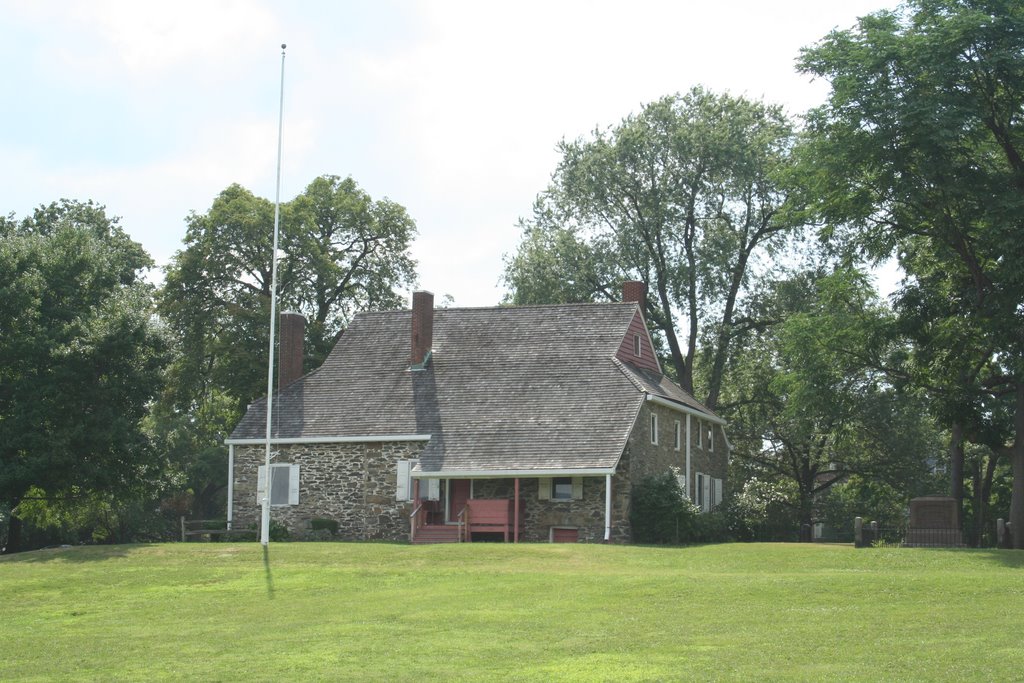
636,347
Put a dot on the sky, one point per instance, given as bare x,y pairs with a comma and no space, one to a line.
451,108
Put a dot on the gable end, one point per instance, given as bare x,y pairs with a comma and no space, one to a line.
637,340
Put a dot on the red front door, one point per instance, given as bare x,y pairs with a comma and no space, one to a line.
458,494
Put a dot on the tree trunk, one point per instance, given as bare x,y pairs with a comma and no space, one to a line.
978,526
661,316
13,536
1017,501
956,469
986,493
725,332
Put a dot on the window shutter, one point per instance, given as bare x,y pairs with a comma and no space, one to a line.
577,488
261,484
293,485
681,479
544,489
717,492
402,484
433,488
706,507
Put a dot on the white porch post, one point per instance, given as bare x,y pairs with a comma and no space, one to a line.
607,507
231,482
515,514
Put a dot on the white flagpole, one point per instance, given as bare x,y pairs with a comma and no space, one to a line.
268,480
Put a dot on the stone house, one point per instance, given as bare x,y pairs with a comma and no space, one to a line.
531,422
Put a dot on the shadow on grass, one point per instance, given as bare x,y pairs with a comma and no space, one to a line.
1014,559
76,553
266,569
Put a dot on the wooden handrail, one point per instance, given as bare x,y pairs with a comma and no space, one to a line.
463,519
414,522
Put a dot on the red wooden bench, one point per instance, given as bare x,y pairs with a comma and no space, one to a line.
489,515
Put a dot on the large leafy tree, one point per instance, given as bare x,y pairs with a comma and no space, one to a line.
919,154
809,406
340,252
82,357
684,196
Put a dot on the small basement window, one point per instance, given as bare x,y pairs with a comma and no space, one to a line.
563,534
561,488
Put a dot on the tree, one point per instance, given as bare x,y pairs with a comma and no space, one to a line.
809,407
684,196
82,356
919,154
340,252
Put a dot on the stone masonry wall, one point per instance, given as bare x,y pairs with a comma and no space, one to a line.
642,458
704,458
352,483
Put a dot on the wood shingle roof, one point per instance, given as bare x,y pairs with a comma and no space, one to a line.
506,389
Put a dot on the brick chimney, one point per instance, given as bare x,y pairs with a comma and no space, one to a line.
293,330
634,291
422,328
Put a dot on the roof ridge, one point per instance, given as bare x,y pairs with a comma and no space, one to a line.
508,307
628,374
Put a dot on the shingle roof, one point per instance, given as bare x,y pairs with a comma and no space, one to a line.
506,389
659,385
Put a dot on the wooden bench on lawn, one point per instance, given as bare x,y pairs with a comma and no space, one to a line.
208,527
489,515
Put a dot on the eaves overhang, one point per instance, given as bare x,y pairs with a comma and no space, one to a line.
368,438
683,408
522,474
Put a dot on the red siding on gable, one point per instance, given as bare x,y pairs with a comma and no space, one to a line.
626,348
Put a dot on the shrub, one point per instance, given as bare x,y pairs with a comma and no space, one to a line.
760,511
657,509
330,525
660,513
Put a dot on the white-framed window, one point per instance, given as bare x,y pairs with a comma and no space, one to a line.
711,436
654,428
637,347
708,492
430,489
284,484
678,443
560,488
700,433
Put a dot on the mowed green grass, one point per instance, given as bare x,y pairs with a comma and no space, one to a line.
384,612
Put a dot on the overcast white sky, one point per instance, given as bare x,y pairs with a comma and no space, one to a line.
450,108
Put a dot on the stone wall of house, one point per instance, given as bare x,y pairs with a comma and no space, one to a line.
707,454
643,458
351,483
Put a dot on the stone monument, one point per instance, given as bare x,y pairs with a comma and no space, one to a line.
934,522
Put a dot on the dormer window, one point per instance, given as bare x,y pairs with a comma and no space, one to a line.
636,346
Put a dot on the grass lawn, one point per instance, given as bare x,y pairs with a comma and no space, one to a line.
383,612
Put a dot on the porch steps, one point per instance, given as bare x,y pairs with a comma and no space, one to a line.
437,533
